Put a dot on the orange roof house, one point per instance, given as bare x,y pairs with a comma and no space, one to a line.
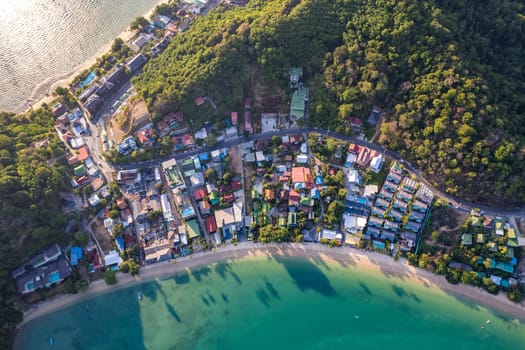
199,101
302,175
83,153
269,194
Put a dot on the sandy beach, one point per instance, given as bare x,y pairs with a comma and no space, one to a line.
43,92
370,261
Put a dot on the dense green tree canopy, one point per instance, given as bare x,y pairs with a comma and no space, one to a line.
449,76
31,177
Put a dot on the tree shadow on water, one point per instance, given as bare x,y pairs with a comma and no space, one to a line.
263,296
365,288
173,312
307,275
182,277
271,289
225,298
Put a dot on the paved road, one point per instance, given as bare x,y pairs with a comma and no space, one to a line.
452,200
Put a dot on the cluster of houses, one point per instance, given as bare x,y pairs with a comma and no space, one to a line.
283,189
71,127
396,213
495,242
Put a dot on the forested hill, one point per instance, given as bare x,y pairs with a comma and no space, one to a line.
31,218
448,74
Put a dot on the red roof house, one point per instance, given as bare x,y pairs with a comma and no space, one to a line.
211,224
234,118
199,194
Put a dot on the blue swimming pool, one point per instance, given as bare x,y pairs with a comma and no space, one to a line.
54,277
92,75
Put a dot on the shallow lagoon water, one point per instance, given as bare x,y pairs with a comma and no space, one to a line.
277,303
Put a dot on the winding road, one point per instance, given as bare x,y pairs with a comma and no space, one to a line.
458,203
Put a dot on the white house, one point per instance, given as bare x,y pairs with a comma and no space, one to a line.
377,163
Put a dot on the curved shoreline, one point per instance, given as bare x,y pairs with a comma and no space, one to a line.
369,261
41,93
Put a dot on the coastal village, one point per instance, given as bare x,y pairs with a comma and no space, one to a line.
257,175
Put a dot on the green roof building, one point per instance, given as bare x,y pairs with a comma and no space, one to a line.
299,102
193,229
80,170
466,239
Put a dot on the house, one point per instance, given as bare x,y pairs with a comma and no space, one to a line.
386,195
350,159
160,21
234,118
389,186
377,163
357,205
229,219
396,214
269,194
299,104
370,191
394,177
145,137
403,196
381,203
331,235
197,179
93,103
301,159
353,177
413,226
354,223
136,62
403,206
355,123
375,222
127,146
390,225
112,260
417,216
43,276
83,154
128,177
296,73
499,226
137,44
302,175
379,212
199,101
199,194
419,206
424,194
374,116
77,142
59,109
204,207
211,224
409,185
365,156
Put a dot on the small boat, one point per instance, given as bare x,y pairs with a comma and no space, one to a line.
51,341
139,295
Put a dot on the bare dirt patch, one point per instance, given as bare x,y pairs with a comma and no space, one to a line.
235,160
132,116
103,236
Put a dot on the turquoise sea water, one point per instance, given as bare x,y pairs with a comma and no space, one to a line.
275,303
